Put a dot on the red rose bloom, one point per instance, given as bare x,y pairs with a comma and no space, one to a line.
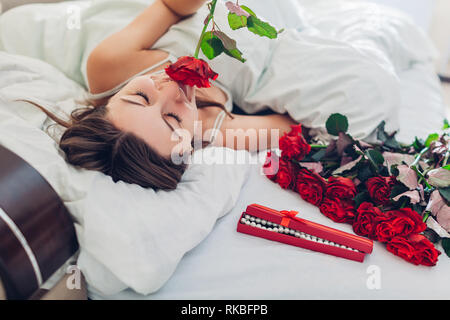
380,189
367,217
310,186
406,221
191,71
340,188
271,165
338,210
425,252
293,145
416,249
383,230
285,174
402,222
401,247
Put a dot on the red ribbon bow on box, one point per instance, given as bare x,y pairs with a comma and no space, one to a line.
288,216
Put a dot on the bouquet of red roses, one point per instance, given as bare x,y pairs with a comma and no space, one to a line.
392,193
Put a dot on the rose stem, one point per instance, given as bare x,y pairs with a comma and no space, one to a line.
210,16
414,166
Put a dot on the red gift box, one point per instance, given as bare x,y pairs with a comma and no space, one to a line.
261,222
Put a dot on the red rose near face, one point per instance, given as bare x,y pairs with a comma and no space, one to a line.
192,72
338,210
380,188
367,217
293,145
340,188
310,186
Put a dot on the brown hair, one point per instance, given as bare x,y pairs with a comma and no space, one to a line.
92,142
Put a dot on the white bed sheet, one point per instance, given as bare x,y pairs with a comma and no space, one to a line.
231,265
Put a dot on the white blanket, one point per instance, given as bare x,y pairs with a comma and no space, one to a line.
135,238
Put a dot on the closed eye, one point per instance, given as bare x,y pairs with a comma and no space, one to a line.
143,95
175,116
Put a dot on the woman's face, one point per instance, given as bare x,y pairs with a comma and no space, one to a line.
158,110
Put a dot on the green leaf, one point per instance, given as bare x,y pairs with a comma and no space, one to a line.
337,123
394,170
446,245
236,22
445,193
365,172
398,189
235,53
229,46
319,155
360,198
211,45
418,144
446,125
388,140
375,156
432,137
431,235
261,28
248,10
447,167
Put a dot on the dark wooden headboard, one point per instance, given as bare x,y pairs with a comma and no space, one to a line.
37,235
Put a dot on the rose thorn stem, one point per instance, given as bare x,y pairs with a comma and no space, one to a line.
210,16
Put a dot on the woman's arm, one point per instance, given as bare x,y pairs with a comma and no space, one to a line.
254,133
126,53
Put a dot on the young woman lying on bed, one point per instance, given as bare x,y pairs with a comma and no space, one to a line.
129,133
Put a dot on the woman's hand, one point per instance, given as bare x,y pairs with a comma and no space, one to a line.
184,8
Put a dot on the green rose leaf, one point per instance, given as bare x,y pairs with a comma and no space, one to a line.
236,22
337,123
248,10
432,137
446,245
261,28
319,155
229,46
397,190
418,144
375,156
365,172
211,45
360,198
388,140
446,125
445,193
